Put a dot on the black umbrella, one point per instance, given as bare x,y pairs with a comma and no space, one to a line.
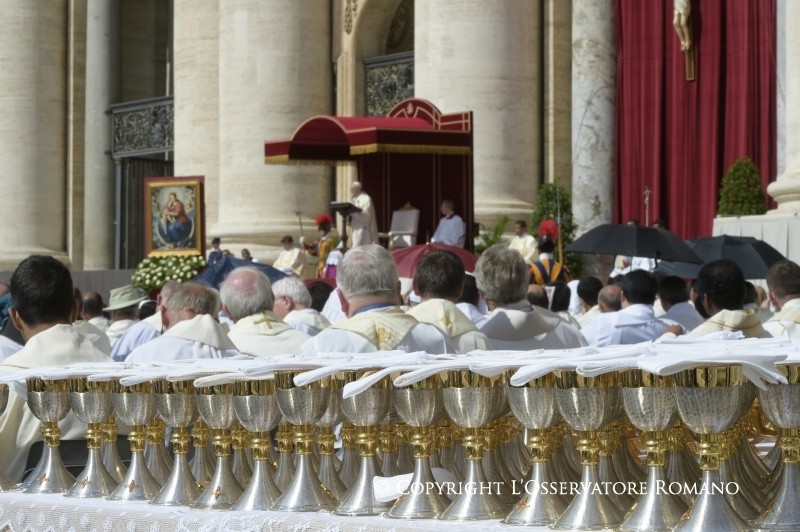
753,256
633,241
214,274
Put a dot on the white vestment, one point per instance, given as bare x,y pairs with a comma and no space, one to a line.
584,318
525,245
745,321
139,333
364,223
446,317
382,329
451,230
631,325
101,322
263,334
95,335
19,428
197,338
522,327
785,322
474,314
117,328
8,347
683,314
332,311
307,320
290,262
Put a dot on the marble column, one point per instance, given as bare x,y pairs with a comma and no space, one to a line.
102,89
274,72
786,189
32,130
485,57
593,93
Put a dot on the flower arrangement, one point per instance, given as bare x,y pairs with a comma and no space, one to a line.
153,272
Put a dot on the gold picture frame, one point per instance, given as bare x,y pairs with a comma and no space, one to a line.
174,216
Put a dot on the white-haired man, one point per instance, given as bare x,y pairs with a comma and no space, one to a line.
144,330
191,331
364,223
293,306
368,289
248,299
502,278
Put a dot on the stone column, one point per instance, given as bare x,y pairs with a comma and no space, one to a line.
32,131
786,189
593,93
274,73
102,89
485,57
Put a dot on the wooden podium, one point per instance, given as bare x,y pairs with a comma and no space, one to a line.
344,209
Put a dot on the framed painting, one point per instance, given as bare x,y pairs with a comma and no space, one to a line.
174,216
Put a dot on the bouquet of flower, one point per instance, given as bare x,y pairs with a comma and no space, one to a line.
153,272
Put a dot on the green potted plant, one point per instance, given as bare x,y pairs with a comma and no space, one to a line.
553,201
741,193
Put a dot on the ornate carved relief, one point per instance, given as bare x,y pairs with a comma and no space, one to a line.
401,31
350,12
387,81
142,127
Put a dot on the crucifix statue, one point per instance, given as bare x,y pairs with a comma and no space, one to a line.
681,20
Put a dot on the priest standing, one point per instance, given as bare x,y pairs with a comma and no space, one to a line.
364,224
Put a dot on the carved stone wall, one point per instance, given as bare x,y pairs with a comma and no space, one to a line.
142,128
388,80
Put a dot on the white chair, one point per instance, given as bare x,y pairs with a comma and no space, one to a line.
403,232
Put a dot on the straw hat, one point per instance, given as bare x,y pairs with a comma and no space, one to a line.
124,296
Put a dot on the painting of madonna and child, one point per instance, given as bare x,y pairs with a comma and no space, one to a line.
173,215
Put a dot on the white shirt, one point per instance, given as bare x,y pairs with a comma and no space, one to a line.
473,313
263,334
584,318
684,314
8,347
575,304
631,325
290,261
445,316
198,338
525,245
307,320
101,322
19,428
117,328
451,231
520,326
364,224
332,311
383,329
95,335
139,333
785,322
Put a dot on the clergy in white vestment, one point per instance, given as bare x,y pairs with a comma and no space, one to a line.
451,229
471,303
674,296
191,331
523,243
8,347
44,309
248,300
123,307
95,335
293,306
364,223
439,281
291,259
513,323
144,330
587,290
783,281
635,322
368,289
92,310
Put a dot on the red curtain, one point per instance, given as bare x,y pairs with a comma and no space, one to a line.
677,137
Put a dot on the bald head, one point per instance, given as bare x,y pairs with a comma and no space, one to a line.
609,298
355,188
246,291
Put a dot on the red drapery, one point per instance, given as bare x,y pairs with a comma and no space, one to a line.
678,137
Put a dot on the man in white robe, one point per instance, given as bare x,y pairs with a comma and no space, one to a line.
364,224
248,299
291,260
44,309
123,307
144,330
92,310
588,290
783,281
524,243
513,323
674,296
451,229
8,347
293,306
471,303
97,336
190,329
439,281
368,290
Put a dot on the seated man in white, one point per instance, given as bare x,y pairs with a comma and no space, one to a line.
293,306
588,289
451,229
97,336
191,331
439,281
248,300
513,323
290,260
8,347
635,322
674,296
123,307
92,310
783,281
719,298
369,289
144,330
470,302
44,309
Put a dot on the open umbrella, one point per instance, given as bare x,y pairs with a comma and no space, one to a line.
634,241
753,256
408,258
214,274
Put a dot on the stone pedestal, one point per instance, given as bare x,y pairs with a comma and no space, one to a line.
485,57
